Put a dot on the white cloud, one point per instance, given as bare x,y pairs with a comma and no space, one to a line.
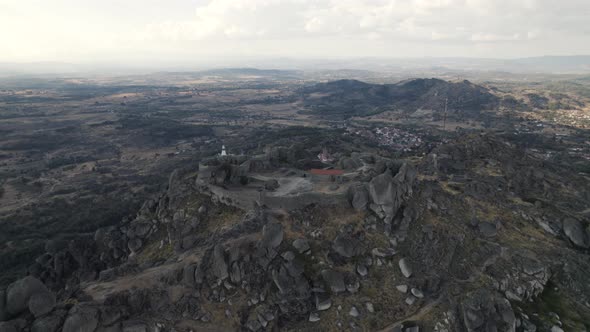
491,37
420,20
72,28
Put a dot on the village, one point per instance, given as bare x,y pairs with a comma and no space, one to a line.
389,136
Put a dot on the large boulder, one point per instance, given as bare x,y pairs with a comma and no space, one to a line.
382,190
135,326
81,318
9,327
110,314
388,192
574,230
42,303
359,198
20,292
188,275
3,312
282,279
219,265
134,244
350,163
50,323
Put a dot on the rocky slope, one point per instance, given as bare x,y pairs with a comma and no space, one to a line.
475,236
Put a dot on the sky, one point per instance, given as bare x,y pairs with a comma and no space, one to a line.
143,31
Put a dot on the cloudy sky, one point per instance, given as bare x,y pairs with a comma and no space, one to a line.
159,30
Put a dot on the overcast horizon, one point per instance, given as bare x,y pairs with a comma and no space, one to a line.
152,31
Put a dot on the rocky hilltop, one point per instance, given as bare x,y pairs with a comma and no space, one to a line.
475,236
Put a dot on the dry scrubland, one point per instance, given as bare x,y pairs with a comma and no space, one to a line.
482,207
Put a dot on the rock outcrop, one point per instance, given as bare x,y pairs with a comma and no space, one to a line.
486,311
402,247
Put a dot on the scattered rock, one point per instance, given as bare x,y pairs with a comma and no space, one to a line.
322,302
370,307
402,288
417,293
353,285
383,253
405,267
288,255
314,317
302,245
354,312
410,300
253,325
487,229
362,270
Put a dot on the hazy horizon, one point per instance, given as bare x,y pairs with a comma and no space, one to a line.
197,31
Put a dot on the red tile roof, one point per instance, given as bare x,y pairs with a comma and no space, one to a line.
318,171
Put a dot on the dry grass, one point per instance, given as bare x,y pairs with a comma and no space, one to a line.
224,218
152,251
448,187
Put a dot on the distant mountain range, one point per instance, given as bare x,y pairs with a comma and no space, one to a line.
577,64
345,98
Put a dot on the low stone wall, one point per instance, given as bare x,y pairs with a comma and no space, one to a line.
245,199
304,199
